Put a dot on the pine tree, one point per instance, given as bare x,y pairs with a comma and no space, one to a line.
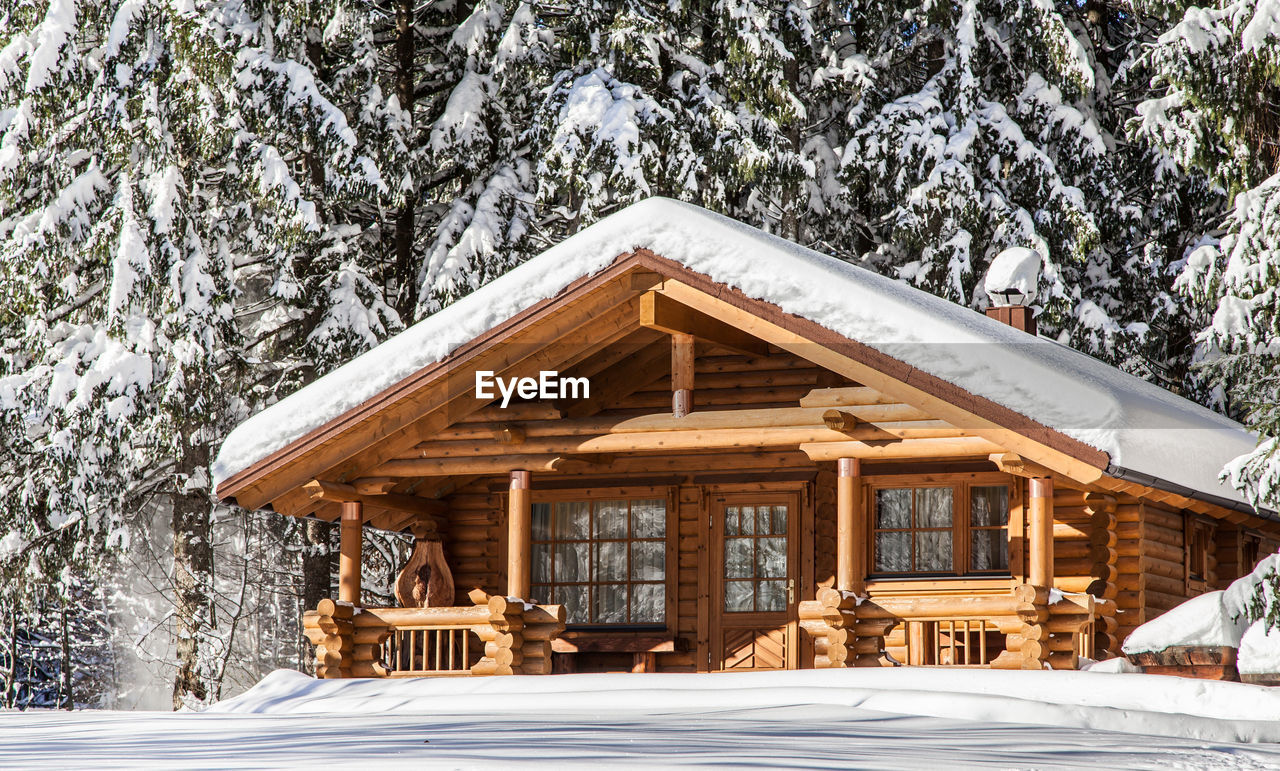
1217,71
159,165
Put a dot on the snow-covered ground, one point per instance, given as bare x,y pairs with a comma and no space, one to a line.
904,718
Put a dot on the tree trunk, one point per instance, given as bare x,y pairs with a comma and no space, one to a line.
317,558
192,582
11,688
67,701
406,296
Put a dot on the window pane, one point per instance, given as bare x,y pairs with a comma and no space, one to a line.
989,550
771,557
779,520
541,568
648,603
610,604
541,515
731,514
933,506
771,595
648,560
893,552
648,518
611,561
573,520
574,600
933,550
893,508
541,594
989,506
611,519
571,562
738,558
738,596
748,520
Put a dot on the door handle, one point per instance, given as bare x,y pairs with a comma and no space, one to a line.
791,591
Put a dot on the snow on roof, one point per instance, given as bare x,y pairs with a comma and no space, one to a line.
1142,427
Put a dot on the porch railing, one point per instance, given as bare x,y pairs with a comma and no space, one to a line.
495,636
1020,629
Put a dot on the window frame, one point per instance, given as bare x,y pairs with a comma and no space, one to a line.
961,485
590,495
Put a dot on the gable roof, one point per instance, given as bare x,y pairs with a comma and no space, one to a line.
1149,435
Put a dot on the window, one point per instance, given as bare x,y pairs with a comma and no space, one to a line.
755,558
1198,537
605,561
958,528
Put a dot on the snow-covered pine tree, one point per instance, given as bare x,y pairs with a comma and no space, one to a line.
1218,111
158,163
980,125
562,113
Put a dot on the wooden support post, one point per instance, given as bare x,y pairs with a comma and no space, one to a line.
681,375
1040,538
519,526
349,554
850,556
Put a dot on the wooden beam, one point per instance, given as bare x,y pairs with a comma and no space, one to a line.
333,491
682,358
351,535
444,467
1040,532
519,533
884,415
851,563
961,447
696,439
844,397
839,420
374,485
662,313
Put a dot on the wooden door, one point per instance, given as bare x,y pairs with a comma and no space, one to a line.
755,580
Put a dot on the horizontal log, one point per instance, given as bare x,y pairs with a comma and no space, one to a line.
401,618
1134,532
969,446
499,464
410,504
938,608
704,420
695,439
1136,565
843,397
1158,602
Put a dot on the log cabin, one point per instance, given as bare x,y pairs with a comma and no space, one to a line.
676,443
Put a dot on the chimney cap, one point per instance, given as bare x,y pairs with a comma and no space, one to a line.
1013,277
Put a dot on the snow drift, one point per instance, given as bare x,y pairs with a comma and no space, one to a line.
1147,704
1222,618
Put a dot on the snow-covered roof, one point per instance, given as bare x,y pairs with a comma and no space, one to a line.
1146,430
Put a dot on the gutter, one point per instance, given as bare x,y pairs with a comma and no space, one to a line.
1146,480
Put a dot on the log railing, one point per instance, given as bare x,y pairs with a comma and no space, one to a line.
496,636
1020,629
